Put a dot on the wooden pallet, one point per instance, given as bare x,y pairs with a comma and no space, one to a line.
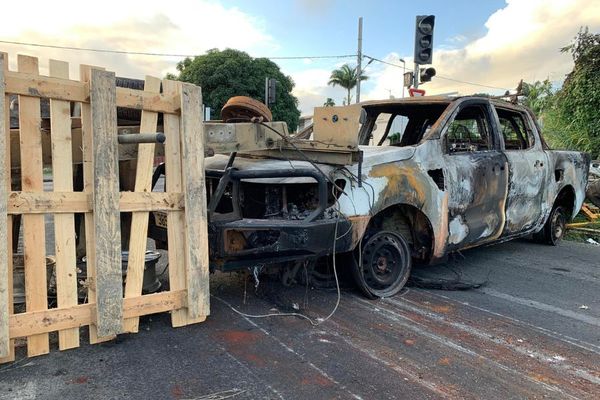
591,212
109,309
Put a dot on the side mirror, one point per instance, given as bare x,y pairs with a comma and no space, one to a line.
363,116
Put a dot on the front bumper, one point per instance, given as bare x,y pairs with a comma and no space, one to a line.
247,242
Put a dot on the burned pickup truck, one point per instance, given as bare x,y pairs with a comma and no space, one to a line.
432,175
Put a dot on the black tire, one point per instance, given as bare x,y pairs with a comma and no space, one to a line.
129,116
385,264
555,227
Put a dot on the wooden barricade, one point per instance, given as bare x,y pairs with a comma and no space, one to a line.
110,308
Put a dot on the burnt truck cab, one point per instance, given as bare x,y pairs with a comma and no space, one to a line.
435,175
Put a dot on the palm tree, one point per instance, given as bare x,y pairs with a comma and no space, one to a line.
329,102
345,77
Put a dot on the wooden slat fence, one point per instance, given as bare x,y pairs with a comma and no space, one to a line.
110,308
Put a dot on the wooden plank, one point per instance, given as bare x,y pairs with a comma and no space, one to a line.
109,289
147,100
64,224
34,238
591,231
5,295
175,220
31,84
139,220
81,202
64,89
150,201
9,223
85,72
196,225
589,213
83,314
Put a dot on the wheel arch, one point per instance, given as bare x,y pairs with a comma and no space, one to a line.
409,221
566,198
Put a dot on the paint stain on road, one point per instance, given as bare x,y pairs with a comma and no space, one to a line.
445,361
80,380
239,337
241,343
177,392
318,380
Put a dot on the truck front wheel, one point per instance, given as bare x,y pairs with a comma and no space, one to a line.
381,265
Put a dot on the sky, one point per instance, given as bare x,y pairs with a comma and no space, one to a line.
483,46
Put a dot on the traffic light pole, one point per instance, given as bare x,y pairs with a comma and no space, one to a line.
416,76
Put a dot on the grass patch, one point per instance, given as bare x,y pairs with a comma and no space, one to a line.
578,236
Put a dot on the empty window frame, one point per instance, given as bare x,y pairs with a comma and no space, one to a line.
469,131
514,130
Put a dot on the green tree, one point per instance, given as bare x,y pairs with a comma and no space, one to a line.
538,96
573,121
346,77
228,73
329,102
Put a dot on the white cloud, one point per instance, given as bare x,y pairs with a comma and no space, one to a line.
457,39
176,27
522,41
312,90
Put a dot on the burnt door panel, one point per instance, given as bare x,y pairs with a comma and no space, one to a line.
477,193
477,176
526,190
528,166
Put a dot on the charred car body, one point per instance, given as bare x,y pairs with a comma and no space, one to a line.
436,175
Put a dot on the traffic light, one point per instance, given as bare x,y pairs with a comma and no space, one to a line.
424,39
271,91
425,74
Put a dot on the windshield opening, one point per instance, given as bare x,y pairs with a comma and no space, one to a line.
399,124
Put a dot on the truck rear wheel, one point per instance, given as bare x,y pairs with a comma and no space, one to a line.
383,266
555,227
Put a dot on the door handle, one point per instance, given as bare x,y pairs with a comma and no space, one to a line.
497,168
538,163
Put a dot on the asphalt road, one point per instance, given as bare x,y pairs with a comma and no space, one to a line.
533,331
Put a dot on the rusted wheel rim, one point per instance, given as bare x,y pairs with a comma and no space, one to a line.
558,224
385,263
243,109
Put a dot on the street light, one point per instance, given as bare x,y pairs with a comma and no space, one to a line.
403,71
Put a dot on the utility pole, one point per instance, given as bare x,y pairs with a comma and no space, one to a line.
267,91
359,60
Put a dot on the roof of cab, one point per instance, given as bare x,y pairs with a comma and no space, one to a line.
436,100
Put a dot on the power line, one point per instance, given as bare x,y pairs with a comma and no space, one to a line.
142,53
439,76
151,54
471,83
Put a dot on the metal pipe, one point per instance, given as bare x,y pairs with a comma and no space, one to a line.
135,138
